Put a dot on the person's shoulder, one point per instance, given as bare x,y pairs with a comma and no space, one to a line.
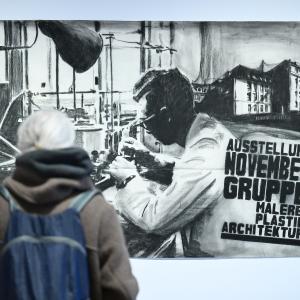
99,203
204,127
202,121
97,211
3,202
205,120
4,216
4,205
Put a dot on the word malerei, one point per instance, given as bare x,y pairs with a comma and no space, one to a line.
257,170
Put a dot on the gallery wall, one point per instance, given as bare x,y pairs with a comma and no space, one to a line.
188,279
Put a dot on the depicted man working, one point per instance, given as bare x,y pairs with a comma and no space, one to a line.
194,203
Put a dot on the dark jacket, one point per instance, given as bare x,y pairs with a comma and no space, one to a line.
44,182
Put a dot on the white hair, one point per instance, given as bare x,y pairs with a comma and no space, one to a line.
46,129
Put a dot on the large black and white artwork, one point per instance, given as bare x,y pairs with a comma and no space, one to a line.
193,127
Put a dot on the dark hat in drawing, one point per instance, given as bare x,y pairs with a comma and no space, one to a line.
165,87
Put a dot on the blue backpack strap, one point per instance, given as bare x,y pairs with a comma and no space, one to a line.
80,201
4,192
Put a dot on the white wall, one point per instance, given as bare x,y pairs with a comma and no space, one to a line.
233,279
219,279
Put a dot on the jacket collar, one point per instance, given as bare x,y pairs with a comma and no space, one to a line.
46,176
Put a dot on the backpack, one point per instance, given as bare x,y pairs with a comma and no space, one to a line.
44,256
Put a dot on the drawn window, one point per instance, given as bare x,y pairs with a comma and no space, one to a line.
255,92
261,108
266,108
249,90
249,108
254,108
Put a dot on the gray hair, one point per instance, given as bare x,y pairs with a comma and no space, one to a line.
46,129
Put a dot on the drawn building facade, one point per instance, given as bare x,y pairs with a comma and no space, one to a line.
244,91
251,91
294,78
241,91
286,87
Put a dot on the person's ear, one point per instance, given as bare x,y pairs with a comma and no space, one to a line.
168,114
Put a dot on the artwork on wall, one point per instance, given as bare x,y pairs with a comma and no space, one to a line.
207,114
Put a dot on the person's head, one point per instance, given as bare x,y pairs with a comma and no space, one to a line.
168,103
95,155
46,129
